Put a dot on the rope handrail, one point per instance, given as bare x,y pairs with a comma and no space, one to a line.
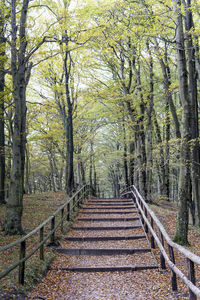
192,258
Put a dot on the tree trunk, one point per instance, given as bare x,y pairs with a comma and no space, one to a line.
149,160
161,160
51,170
149,130
184,194
131,163
140,139
133,146
195,167
60,177
91,169
197,57
70,152
82,172
70,136
167,153
126,181
78,173
167,82
58,174
20,80
116,184
2,82
169,103
95,179
27,171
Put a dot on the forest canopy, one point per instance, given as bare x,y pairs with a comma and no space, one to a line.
100,92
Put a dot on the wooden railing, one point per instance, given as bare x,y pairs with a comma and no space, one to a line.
166,246
63,213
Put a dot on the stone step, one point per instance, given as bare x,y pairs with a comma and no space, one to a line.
99,252
108,212
113,207
110,204
108,219
105,238
108,269
106,227
108,201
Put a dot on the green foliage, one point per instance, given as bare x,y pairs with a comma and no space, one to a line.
107,41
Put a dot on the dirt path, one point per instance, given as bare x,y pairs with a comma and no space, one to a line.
73,276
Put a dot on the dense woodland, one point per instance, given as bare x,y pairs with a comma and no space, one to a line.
100,92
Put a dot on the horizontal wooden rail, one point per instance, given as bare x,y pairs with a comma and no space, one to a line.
76,199
163,238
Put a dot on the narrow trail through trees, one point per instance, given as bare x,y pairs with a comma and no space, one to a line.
97,258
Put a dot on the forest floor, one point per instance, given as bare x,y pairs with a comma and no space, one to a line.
37,208
149,284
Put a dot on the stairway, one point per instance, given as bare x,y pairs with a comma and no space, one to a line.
107,236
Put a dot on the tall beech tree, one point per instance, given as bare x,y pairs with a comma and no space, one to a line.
2,88
184,193
149,133
20,76
20,73
192,77
70,104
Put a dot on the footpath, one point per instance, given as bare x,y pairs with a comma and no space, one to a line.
105,255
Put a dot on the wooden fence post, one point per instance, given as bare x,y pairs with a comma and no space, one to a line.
78,199
191,277
173,276
68,211
146,227
82,196
61,225
84,190
22,254
162,260
142,206
152,237
74,202
42,246
52,228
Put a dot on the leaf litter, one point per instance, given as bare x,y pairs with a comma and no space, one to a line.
59,284
145,284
